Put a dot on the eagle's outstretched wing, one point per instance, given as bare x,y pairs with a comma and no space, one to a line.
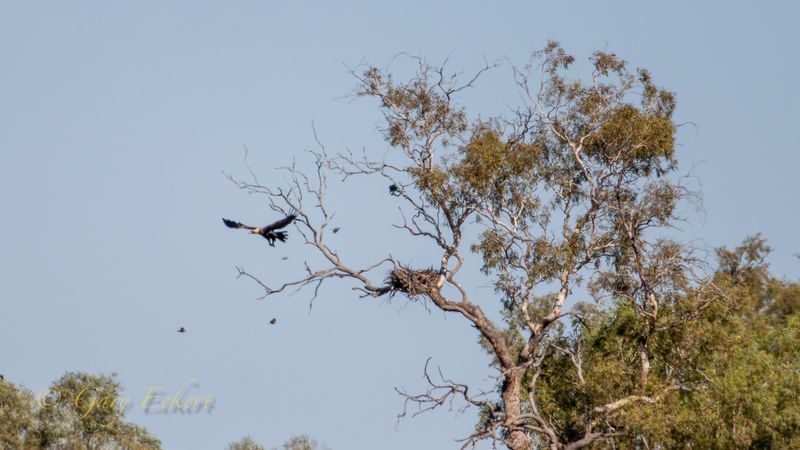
279,224
233,224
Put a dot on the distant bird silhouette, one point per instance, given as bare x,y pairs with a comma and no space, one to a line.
181,330
2,378
285,258
395,190
268,232
336,230
273,321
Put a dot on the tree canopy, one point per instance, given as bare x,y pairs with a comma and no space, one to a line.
301,442
76,413
573,190
70,415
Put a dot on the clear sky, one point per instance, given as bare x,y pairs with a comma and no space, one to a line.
118,118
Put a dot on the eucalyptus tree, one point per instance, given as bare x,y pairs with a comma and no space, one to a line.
572,188
298,442
79,411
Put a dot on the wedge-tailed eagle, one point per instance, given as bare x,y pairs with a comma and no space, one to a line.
268,232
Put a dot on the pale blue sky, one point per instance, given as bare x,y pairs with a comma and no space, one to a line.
117,119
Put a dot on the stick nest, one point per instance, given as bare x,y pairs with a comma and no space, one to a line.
412,282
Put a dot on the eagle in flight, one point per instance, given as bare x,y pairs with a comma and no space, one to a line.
268,232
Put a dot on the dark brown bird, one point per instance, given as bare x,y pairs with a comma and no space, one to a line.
336,230
273,321
395,190
181,330
268,232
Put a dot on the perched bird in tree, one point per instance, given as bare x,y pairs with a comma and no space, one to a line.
181,330
273,321
395,190
268,232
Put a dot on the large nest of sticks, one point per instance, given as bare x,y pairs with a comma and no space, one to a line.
412,282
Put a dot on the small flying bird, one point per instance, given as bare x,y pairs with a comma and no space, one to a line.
285,258
268,232
181,330
395,190
273,321
336,230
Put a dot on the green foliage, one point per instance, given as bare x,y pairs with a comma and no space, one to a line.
737,364
301,442
76,415
246,443
17,419
417,109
